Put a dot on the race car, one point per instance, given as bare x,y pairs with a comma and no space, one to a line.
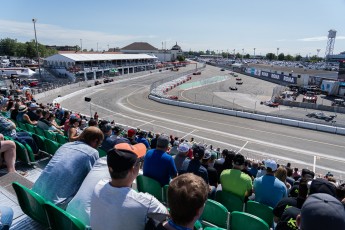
222,69
310,97
238,79
107,80
321,115
233,88
197,73
173,97
239,83
270,103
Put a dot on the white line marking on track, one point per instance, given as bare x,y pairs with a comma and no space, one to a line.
189,133
243,147
149,122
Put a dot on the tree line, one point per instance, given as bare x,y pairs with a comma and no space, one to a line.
268,56
11,47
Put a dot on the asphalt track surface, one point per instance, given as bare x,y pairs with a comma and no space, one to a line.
127,103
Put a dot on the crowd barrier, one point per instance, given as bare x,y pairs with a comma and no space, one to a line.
271,119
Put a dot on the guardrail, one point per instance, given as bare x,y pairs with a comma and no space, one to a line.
259,117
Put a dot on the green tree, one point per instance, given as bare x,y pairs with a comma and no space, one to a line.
180,58
8,46
271,56
289,58
247,56
281,57
238,55
298,57
31,49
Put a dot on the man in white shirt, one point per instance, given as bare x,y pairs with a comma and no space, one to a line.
114,204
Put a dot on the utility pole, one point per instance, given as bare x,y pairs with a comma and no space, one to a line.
34,20
81,45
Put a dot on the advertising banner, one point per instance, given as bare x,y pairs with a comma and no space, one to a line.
279,77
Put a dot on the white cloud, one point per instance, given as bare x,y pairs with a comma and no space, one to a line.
320,38
56,35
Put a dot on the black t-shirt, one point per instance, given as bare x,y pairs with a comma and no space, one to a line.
288,219
285,203
194,166
212,175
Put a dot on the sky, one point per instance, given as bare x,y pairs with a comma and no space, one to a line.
294,26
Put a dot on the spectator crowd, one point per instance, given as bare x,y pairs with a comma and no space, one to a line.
98,190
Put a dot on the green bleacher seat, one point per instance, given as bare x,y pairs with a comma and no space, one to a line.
39,131
61,139
101,152
23,154
50,135
21,125
215,215
246,221
260,210
40,142
149,185
230,201
60,219
31,203
51,146
30,128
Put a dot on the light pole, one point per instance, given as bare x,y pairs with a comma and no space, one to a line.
277,52
242,54
34,20
318,51
81,45
234,54
254,52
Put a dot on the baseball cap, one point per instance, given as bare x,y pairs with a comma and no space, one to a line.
198,151
320,185
33,105
207,155
322,211
106,128
123,156
183,147
271,164
239,159
131,132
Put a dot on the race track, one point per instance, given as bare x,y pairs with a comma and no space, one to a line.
127,104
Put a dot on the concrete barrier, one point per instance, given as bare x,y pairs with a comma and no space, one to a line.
243,114
258,117
340,131
230,112
216,110
276,120
326,128
307,125
290,122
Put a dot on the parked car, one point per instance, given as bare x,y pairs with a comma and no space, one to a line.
270,103
338,102
197,73
97,82
321,115
222,69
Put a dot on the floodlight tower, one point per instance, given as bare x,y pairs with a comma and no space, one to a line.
330,43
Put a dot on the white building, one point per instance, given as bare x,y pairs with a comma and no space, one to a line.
162,55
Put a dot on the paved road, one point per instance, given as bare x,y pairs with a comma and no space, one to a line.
127,103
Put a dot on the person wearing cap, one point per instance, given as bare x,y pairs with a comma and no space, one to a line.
174,148
179,158
287,202
211,172
235,181
110,140
321,211
32,111
80,205
268,189
131,136
114,204
142,139
159,165
194,165
23,116
187,195
65,172
321,185
6,216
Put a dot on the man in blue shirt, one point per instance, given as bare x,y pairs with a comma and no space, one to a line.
268,189
159,165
